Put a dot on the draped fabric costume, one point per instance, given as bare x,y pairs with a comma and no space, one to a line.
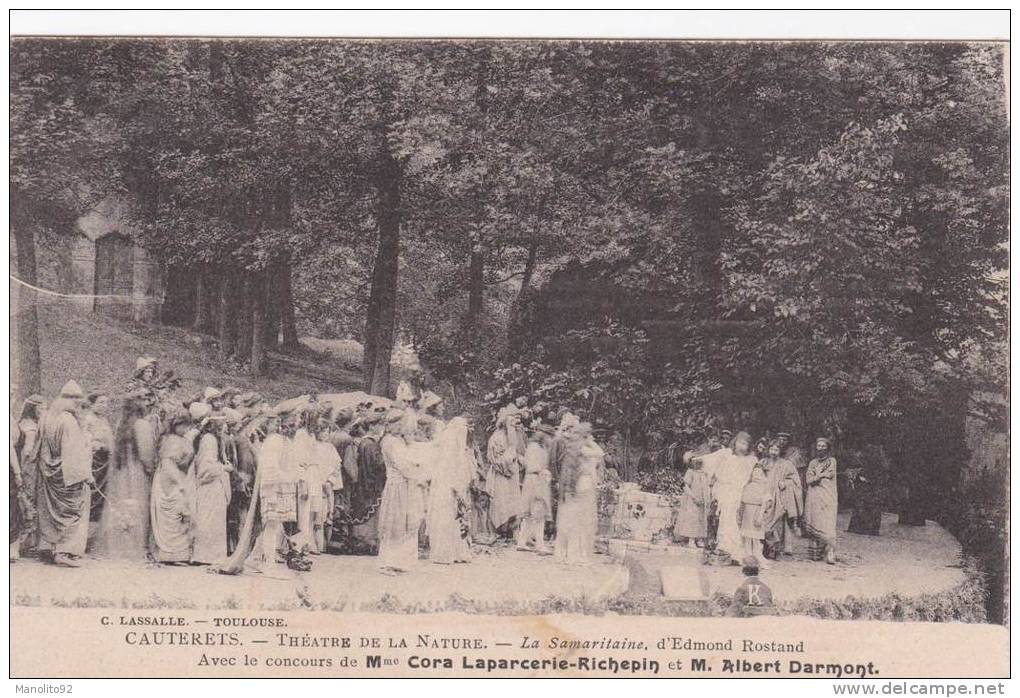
364,494
277,491
821,508
329,466
728,474
170,501
400,513
695,502
101,439
577,514
503,480
212,495
451,470
21,513
756,504
788,501
64,497
242,480
27,444
299,459
124,524
536,490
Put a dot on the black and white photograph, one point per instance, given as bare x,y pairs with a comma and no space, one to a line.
654,331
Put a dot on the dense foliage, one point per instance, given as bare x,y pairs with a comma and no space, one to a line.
660,236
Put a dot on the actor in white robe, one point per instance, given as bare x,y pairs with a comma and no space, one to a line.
212,495
400,511
536,495
451,470
728,471
577,514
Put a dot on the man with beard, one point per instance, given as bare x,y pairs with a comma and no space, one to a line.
65,463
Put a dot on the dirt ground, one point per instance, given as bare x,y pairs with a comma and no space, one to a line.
336,582
903,560
906,560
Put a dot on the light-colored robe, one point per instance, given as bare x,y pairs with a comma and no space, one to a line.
450,476
64,497
212,495
728,473
821,508
169,504
400,511
503,479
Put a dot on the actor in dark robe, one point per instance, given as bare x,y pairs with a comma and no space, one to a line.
64,497
356,513
242,480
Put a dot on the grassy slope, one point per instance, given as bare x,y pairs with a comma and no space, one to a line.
100,352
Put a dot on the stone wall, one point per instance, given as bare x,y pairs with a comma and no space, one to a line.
641,516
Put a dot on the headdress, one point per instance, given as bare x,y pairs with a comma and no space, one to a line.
72,389
199,410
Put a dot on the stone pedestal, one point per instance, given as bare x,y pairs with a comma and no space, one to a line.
685,583
642,516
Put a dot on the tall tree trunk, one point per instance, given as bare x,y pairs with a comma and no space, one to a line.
260,299
242,348
380,324
515,337
227,316
476,284
273,313
288,321
28,362
201,321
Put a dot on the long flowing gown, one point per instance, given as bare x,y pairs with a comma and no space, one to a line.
692,517
756,504
820,511
300,460
212,495
124,524
503,480
729,473
169,503
451,472
329,467
101,438
537,484
400,513
64,497
19,516
577,515
787,502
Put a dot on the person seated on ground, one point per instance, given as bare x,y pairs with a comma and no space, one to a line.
753,597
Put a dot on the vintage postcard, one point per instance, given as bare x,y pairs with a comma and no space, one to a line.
576,357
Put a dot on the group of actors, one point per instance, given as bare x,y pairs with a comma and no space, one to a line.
223,479
752,498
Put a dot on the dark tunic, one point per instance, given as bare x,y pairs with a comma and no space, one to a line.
752,598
